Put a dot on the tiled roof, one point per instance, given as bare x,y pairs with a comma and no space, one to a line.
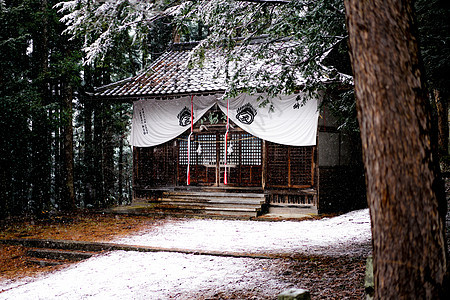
171,75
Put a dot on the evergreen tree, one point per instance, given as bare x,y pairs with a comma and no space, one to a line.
404,189
433,19
20,100
44,89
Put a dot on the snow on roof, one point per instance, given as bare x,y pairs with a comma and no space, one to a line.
176,72
170,74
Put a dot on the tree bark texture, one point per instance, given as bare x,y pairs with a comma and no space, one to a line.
404,190
108,156
98,184
69,199
120,163
41,145
88,175
442,117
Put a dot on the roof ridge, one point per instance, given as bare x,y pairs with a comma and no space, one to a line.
114,84
183,46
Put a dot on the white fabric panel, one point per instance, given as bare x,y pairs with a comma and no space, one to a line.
158,121
288,122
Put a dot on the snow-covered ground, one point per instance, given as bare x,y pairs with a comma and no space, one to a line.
331,236
133,275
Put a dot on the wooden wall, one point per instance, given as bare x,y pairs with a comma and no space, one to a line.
284,167
290,167
154,166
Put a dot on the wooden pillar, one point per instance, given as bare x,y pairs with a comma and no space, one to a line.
264,164
218,145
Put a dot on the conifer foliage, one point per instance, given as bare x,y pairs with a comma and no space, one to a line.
54,154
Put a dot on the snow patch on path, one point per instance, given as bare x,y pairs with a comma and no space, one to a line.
134,275
342,235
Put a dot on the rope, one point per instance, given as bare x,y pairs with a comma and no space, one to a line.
188,180
215,141
225,177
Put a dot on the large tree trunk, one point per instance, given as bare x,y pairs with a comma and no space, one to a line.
108,156
57,163
98,184
442,120
41,144
404,191
120,163
68,200
88,175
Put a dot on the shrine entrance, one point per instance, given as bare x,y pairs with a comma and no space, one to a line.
207,154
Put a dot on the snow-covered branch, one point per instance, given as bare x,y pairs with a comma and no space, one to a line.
101,22
267,1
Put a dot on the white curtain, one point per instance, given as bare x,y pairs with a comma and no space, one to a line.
158,121
284,120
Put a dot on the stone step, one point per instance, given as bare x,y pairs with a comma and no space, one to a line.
213,194
59,254
44,262
199,199
207,201
243,213
202,200
203,205
206,208
206,211
232,213
215,189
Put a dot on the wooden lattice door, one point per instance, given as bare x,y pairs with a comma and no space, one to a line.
202,159
207,159
244,161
